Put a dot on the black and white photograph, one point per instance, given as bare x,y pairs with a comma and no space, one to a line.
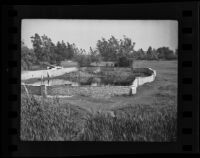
99,80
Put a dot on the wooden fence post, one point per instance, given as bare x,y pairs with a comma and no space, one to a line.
43,88
27,93
43,91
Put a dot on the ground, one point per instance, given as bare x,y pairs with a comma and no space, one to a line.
150,115
160,92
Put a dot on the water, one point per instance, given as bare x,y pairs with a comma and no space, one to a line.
54,82
95,80
88,81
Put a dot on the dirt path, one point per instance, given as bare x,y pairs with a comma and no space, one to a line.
25,75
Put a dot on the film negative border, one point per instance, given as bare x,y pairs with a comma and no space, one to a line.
188,79
13,81
9,75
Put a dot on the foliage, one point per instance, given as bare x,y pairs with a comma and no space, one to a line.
166,53
124,62
94,55
28,58
139,55
121,51
151,54
82,58
116,50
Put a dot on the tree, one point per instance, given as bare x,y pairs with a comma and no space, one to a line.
166,53
126,47
169,55
94,55
116,50
105,49
48,53
81,57
151,54
161,53
60,52
70,50
154,54
28,57
124,62
140,54
37,46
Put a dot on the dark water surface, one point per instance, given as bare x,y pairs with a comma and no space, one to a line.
91,82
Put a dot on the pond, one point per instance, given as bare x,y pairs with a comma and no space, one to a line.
53,82
91,82
79,78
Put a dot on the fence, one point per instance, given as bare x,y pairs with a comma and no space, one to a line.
142,80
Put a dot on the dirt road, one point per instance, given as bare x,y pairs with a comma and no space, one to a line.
51,73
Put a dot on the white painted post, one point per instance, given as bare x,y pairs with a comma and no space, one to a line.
134,86
42,79
134,89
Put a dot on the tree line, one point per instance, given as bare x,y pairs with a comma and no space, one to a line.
119,51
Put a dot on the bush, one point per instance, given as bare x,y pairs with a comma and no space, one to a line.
166,53
124,62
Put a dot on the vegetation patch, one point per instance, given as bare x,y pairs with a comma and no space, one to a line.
53,121
48,120
139,123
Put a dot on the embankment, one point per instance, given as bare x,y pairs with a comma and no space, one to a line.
95,91
46,73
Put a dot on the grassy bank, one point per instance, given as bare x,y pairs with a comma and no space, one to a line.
53,121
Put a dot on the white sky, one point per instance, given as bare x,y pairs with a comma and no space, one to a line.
85,33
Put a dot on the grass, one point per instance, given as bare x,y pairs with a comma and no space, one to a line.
150,115
145,123
50,121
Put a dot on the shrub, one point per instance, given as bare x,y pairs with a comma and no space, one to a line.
124,61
